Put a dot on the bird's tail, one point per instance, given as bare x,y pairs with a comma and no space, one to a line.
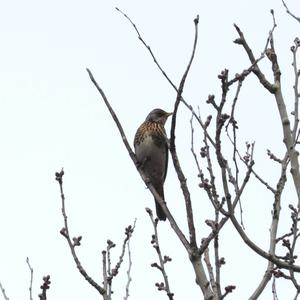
159,211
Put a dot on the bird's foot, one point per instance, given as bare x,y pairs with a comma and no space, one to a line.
141,164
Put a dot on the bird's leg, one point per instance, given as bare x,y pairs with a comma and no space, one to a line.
140,164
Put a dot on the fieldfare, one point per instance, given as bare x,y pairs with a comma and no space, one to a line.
151,149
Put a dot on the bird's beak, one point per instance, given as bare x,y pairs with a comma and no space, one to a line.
169,114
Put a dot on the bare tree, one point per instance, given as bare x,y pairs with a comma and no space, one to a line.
224,178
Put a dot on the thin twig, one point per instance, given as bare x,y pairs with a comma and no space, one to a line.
205,242
256,70
178,169
115,118
128,272
254,62
242,75
113,272
65,232
210,186
295,131
273,230
44,287
31,278
148,47
3,292
258,177
233,122
259,251
192,146
289,12
162,260
228,289
274,289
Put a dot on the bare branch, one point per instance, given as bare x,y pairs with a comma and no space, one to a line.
205,242
115,118
274,292
289,12
148,47
210,271
263,182
31,278
218,261
261,252
128,234
3,292
242,75
108,272
228,289
104,273
192,146
129,279
273,230
162,260
173,151
276,90
65,232
287,132
44,287
294,50
273,156
255,69
233,140
245,160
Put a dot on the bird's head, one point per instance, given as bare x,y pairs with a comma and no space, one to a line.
158,115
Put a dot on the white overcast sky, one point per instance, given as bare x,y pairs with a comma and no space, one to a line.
51,116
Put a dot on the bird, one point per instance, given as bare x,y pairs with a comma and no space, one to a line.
151,149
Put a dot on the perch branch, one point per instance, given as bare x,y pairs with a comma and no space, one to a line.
162,203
